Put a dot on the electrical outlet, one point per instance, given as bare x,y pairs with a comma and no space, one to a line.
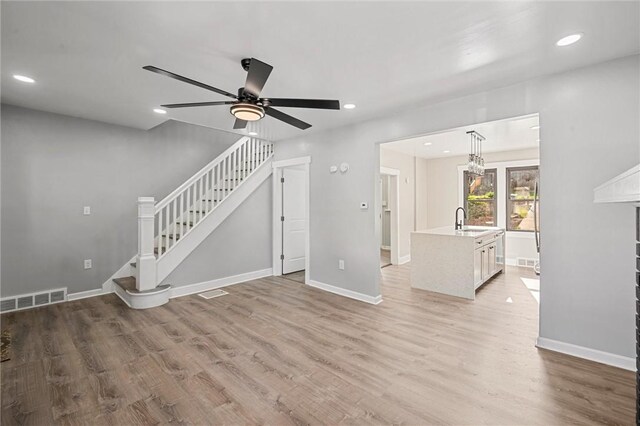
341,264
87,264
87,210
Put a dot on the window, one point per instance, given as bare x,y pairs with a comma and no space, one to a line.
521,197
480,198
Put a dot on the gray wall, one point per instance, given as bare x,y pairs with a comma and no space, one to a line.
242,243
589,133
53,165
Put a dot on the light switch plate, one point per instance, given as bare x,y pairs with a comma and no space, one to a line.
87,264
87,210
341,264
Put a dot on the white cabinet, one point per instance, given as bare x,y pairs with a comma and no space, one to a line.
477,267
455,261
486,258
491,254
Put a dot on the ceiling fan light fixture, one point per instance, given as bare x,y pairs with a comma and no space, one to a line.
247,112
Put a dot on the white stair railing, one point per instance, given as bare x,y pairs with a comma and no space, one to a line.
181,211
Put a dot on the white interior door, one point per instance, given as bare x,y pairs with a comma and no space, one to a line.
295,215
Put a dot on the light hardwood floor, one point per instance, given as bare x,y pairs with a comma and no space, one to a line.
275,351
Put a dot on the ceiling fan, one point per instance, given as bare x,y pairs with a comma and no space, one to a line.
247,104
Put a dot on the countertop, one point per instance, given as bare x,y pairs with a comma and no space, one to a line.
467,231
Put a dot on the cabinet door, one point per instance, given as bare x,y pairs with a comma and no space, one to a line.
485,263
477,267
492,259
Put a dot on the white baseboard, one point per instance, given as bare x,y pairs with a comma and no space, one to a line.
404,259
608,358
510,261
89,293
185,290
346,293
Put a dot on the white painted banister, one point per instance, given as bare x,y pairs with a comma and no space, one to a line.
167,222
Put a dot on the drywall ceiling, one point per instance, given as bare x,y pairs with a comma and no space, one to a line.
87,57
504,135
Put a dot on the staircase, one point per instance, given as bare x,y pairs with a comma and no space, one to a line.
168,231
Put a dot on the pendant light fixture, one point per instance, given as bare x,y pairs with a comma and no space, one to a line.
476,162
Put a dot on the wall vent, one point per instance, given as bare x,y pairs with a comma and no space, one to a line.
26,301
524,262
8,305
41,299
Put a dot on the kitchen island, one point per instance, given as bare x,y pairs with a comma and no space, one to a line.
456,262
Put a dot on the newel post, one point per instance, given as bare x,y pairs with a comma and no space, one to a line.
146,259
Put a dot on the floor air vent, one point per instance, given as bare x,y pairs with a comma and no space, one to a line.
213,293
25,301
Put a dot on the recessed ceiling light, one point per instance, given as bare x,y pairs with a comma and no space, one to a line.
446,151
349,106
536,127
427,144
253,133
23,78
570,39
159,111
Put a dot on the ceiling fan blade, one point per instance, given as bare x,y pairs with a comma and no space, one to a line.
187,80
287,118
239,124
304,103
256,77
198,104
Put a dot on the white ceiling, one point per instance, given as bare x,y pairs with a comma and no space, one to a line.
503,135
87,56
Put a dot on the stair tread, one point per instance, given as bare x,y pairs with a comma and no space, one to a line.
129,284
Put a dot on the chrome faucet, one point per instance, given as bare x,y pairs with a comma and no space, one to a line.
460,223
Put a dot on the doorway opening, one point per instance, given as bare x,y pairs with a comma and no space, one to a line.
388,215
291,219
492,180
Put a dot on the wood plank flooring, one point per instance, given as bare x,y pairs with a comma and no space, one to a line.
274,351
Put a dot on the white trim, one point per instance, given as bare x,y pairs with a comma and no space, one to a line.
608,358
389,171
404,259
394,200
276,207
624,188
147,299
88,293
186,290
374,300
291,162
